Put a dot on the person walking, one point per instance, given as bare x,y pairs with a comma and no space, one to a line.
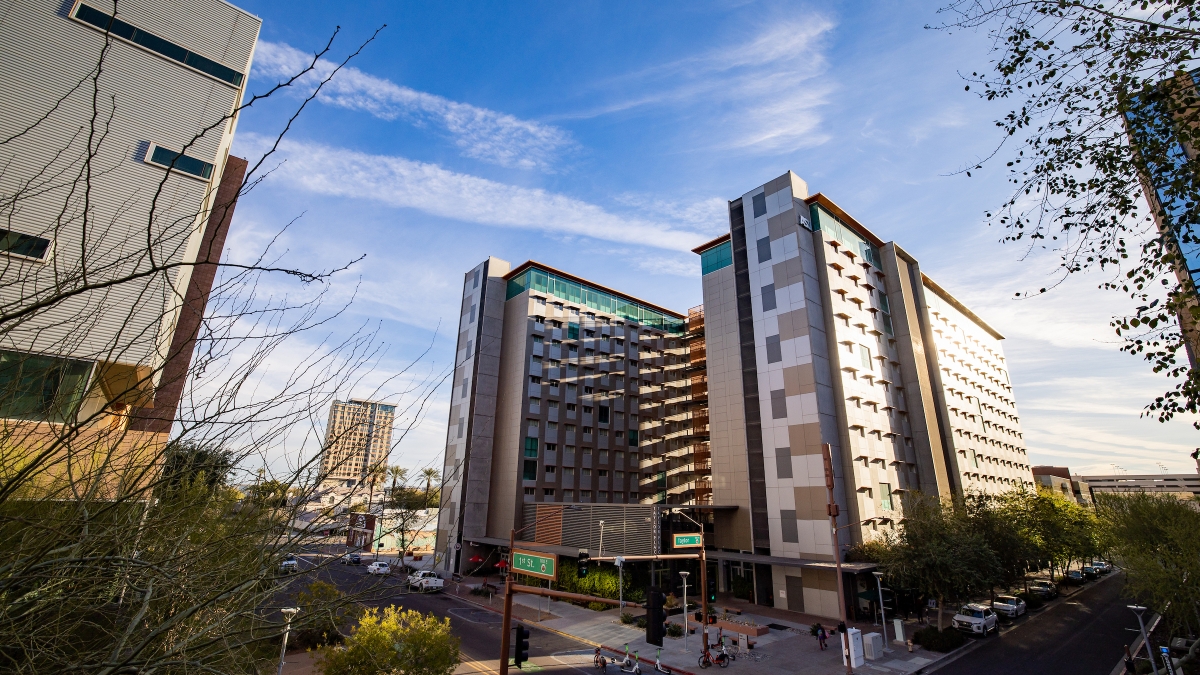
822,636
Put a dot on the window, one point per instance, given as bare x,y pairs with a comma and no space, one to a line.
788,527
533,379
570,428
778,404
774,350
119,28
864,353
41,388
534,402
568,495
586,473
24,245
587,390
533,426
587,410
167,159
633,437
568,473
604,457
587,431
885,496
760,204
464,387
538,339
531,446
764,249
476,282
602,473
783,462
547,492
571,407
589,333
572,331
768,297
715,258
603,418
573,350
461,423
530,470
550,471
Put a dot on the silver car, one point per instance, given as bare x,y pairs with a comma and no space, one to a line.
1009,605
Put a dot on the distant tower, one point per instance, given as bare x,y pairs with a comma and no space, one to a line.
358,436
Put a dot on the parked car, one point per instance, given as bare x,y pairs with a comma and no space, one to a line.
379,567
1009,605
1046,590
1090,573
289,565
351,559
1074,577
425,582
976,619
1101,566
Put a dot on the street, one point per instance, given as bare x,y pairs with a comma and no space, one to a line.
479,629
1084,633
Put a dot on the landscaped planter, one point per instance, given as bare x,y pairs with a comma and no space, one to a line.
752,631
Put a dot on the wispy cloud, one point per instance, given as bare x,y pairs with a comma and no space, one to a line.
404,183
482,134
763,93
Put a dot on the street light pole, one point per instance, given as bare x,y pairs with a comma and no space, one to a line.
1138,609
601,539
882,615
288,613
832,510
685,621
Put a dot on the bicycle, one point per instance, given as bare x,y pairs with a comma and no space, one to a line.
707,659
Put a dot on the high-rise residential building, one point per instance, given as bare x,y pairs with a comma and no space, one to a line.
1163,128
564,392
172,75
358,439
819,332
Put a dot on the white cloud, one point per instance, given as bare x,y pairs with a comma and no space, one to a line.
482,134
405,183
762,93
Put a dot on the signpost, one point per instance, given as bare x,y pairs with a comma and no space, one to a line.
541,565
688,540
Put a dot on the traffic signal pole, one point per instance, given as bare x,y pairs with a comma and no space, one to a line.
506,623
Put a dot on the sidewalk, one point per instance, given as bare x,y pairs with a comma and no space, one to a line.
788,648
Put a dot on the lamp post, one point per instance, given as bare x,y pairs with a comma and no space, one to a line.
288,613
685,621
601,554
1138,609
506,622
703,583
882,616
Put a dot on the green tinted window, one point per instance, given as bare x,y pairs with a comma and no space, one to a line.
530,470
23,244
181,162
715,258
534,279
41,388
824,220
119,28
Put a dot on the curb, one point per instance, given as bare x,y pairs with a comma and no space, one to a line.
584,640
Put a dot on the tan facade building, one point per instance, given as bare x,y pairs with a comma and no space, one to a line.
358,439
819,332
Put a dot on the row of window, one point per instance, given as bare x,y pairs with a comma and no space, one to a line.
568,496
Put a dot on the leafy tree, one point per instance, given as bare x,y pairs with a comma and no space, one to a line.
1099,100
1155,539
394,641
938,552
187,462
1063,531
1005,523
324,610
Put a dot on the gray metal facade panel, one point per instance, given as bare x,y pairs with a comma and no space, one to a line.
42,56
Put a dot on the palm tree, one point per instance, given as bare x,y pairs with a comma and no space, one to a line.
430,475
399,475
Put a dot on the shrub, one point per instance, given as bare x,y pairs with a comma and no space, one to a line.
324,611
674,630
944,641
626,618
394,640
1032,601
598,606
640,622
482,590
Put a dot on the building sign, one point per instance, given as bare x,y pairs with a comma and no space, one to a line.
543,565
688,540
361,532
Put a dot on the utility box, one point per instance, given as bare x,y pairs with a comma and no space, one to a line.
873,646
900,636
853,637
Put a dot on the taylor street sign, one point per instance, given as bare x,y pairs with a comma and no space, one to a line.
544,565
688,541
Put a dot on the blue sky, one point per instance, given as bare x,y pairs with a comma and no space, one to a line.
604,138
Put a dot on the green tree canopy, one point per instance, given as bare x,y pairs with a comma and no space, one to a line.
394,641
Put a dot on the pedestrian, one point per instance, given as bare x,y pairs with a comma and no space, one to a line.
821,636
1130,665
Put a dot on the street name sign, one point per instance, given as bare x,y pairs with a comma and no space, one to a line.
688,541
543,565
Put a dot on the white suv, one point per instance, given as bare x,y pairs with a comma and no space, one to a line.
379,567
976,619
1009,605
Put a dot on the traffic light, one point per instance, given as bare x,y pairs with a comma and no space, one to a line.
522,650
582,563
712,591
655,616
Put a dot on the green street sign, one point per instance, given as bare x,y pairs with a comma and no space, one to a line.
542,565
689,541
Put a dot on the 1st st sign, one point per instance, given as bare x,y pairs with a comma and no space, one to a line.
542,565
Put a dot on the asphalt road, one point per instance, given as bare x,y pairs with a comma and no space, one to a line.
1084,633
479,629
